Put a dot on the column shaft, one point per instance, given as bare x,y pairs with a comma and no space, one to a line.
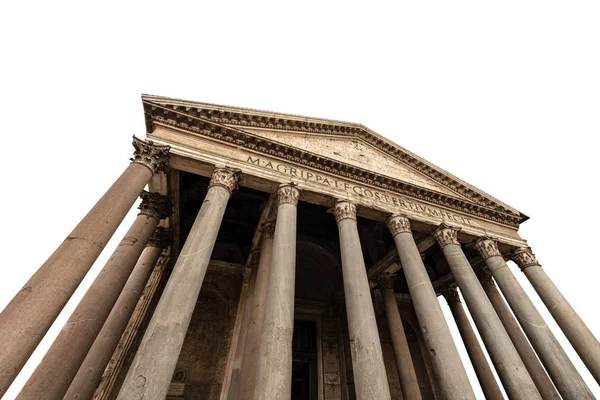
150,374
581,338
404,362
115,365
274,372
27,318
482,368
370,379
564,375
257,314
60,364
506,360
238,337
533,365
90,372
449,370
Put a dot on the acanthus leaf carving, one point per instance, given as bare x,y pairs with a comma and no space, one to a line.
344,210
487,247
161,238
288,193
445,235
151,155
451,294
225,178
398,223
155,205
524,257
386,281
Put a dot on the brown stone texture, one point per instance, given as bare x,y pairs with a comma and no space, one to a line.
562,371
90,372
530,359
155,361
27,318
448,369
59,366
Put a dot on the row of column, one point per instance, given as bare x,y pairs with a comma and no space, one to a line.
78,355
27,318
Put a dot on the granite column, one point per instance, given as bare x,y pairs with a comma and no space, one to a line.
27,318
448,368
564,375
505,358
482,368
88,377
370,379
150,373
60,364
257,314
581,338
532,363
404,362
274,367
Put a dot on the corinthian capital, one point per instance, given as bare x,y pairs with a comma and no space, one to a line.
386,281
153,156
445,235
486,278
268,230
161,238
451,294
344,210
524,257
398,223
225,178
155,205
487,247
288,193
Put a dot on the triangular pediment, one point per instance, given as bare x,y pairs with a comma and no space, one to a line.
351,147
356,152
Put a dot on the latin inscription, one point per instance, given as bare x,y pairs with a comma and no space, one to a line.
359,190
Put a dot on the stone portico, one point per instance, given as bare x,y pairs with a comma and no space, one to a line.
284,257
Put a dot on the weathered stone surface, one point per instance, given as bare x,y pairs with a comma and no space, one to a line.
449,371
27,318
505,358
274,373
564,375
370,378
152,369
59,366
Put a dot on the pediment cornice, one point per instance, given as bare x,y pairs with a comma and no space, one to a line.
227,123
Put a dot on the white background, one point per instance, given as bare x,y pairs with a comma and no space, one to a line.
504,95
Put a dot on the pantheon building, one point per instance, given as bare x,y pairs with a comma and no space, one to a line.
277,256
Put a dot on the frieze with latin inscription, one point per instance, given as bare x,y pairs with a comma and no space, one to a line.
361,191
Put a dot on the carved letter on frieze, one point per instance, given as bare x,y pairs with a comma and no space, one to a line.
487,247
155,205
386,281
153,156
451,294
398,224
524,257
161,238
343,210
446,235
225,178
288,194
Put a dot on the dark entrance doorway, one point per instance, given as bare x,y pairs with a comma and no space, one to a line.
305,385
